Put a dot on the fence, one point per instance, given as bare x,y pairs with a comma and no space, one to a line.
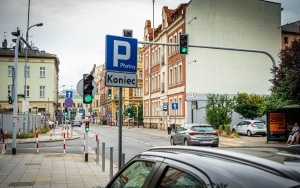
25,124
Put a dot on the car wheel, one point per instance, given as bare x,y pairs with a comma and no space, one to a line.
172,141
186,142
264,135
233,130
249,133
215,146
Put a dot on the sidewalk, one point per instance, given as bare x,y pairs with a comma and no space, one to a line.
50,169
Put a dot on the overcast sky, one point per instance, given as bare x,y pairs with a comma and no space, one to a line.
75,30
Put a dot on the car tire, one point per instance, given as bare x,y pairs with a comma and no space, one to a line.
264,135
233,130
185,142
214,146
249,133
172,141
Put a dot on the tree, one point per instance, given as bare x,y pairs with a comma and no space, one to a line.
249,106
286,83
132,110
219,109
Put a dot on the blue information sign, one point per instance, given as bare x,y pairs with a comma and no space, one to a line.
174,106
69,94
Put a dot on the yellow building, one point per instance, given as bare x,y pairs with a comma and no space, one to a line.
109,105
41,81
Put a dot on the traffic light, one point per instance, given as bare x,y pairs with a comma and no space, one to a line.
16,34
127,33
87,126
183,43
88,88
109,93
10,101
128,113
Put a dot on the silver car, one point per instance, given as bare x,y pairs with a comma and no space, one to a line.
250,127
195,134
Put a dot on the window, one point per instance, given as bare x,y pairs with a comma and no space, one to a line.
27,72
286,40
179,74
170,77
146,62
138,92
134,175
178,178
140,75
42,72
175,75
9,90
27,91
42,91
10,70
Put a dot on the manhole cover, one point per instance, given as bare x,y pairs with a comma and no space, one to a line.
19,184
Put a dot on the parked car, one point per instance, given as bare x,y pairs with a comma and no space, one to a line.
250,127
195,134
186,166
77,121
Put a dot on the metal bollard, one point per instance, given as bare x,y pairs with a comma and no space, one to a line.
111,162
97,153
123,159
103,156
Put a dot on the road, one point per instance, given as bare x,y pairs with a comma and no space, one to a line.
134,141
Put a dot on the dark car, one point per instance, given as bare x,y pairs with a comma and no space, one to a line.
186,166
195,134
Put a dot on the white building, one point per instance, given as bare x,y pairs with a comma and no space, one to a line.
243,24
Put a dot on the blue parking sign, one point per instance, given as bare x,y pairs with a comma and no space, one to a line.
121,54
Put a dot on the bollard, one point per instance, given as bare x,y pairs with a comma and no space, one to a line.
97,153
37,142
3,149
103,156
83,144
111,162
64,143
123,159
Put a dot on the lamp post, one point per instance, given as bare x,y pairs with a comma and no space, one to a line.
26,54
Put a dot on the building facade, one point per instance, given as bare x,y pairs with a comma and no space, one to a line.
164,71
171,78
41,81
290,32
246,24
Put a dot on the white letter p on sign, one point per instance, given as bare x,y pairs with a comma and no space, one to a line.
118,56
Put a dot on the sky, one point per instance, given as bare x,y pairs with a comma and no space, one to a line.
75,30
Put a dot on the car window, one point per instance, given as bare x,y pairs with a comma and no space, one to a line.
202,128
134,175
177,178
240,123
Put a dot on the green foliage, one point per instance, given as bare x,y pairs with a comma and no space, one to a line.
249,106
43,129
219,109
133,110
286,83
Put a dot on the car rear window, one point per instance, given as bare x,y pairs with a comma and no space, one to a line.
202,128
259,124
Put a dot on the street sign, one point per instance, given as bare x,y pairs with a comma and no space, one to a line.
165,106
174,106
120,79
80,87
69,94
68,102
121,54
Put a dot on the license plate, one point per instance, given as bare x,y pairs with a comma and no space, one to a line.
205,142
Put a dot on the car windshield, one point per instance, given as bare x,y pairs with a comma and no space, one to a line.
202,128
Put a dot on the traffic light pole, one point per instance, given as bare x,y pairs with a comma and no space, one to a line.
86,154
15,99
120,129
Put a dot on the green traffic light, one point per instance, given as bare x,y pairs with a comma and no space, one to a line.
88,98
183,50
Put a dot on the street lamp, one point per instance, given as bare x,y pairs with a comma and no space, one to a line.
26,52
